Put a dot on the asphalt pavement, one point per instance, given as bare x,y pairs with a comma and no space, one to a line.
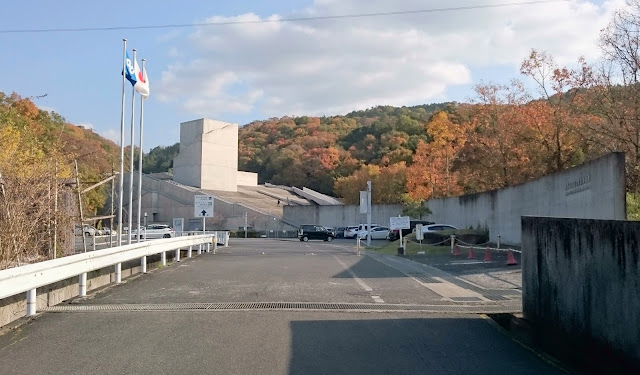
163,322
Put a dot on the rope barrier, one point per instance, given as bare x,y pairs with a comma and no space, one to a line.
431,244
471,244
490,248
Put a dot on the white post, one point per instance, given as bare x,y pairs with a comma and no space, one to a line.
143,262
163,258
94,242
368,213
31,302
498,242
215,243
453,242
118,273
120,179
140,160
199,249
245,224
82,285
189,252
226,239
402,244
358,244
133,127
177,254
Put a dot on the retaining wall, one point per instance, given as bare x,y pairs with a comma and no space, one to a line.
339,216
594,190
581,288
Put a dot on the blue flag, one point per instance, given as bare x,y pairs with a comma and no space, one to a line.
130,72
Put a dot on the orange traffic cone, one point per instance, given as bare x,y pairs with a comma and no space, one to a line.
472,255
456,251
487,255
511,260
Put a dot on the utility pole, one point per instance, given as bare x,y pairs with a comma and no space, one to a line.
55,214
84,240
368,213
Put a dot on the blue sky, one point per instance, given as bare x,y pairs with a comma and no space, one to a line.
249,72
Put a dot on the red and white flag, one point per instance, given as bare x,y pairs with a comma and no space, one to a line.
142,82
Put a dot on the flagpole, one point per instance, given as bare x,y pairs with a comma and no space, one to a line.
133,107
120,179
140,158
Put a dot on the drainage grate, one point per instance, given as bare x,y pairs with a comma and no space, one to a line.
292,306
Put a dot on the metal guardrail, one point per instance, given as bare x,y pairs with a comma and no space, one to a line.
28,278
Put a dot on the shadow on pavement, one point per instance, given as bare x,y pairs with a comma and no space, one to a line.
368,268
407,346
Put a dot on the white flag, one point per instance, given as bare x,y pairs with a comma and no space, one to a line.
142,82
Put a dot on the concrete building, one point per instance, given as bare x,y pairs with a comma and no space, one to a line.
207,164
208,157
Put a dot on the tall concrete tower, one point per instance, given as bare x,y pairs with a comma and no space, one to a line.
208,157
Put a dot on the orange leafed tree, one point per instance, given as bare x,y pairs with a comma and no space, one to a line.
431,173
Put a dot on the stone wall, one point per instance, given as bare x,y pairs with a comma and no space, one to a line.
581,287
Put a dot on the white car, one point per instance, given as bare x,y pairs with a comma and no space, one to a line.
350,232
437,228
155,231
377,233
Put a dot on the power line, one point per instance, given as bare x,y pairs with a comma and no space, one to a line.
296,19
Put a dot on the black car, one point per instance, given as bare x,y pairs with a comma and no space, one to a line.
394,234
314,232
339,232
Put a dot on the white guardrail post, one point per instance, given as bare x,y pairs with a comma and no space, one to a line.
118,273
82,285
189,252
143,264
31,302
27,278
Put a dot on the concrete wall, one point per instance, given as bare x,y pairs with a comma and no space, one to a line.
338,216
247,178
581,285
208,156
187,165
163,201
593,190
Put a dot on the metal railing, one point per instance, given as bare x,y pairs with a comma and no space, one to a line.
28,278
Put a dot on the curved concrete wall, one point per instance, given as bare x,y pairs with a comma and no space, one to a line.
594,190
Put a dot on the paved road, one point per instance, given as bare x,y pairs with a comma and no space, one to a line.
179,332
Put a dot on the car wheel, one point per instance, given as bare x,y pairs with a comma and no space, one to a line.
305,238
166,236
329,238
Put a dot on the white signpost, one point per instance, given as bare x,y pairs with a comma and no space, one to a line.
399,223
203,207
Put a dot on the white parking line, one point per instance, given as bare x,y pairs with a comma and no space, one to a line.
358,280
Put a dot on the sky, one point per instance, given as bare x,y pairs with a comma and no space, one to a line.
253,71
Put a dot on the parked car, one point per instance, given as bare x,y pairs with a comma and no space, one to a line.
437,228
377,233
339,232
395,234
314,232
87,230
350,232
155,231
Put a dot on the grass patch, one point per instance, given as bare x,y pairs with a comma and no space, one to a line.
412,248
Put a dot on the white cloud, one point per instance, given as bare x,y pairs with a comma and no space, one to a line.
112,134
335,66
